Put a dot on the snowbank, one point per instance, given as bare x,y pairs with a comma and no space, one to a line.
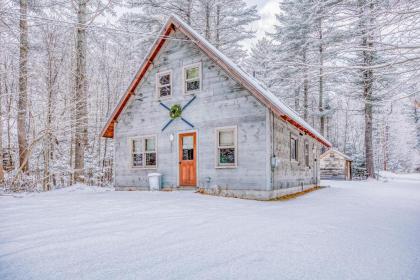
352,230
400,176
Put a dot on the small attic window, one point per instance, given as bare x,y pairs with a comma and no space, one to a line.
192,78
164,84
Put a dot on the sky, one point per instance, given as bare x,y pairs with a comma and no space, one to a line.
267,10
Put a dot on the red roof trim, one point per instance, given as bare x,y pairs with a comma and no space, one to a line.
108,130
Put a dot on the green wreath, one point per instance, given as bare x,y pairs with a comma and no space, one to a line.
175,111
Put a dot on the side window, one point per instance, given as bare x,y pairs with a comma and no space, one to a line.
143,152
150,151
306,154
192,78
137,153
293,147
164,84
226,147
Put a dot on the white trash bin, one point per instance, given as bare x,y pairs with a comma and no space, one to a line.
154,181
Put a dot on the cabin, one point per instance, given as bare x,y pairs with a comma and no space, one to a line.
194,116
335,165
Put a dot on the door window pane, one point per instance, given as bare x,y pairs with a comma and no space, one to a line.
187,142
188,154
188,148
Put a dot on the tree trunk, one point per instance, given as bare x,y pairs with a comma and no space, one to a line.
48,125
321,81
217,39
1,137
417,123
207,21
297,93
305,87
81,116
8,121
189,11
385,145
23,88
367,79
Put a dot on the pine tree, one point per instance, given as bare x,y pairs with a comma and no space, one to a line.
292,36
260,62
224,23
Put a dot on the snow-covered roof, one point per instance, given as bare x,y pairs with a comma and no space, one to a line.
334,150
255,87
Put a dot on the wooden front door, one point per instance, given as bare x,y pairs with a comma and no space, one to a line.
188,159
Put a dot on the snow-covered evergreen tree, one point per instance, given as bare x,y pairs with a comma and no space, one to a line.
259,63
224,23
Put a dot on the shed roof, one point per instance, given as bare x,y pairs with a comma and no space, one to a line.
255,87
334,150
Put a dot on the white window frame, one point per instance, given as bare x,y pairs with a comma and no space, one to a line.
184,78
295,138
159,86
144,152
235,146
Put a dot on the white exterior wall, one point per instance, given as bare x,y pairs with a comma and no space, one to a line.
221,102
290,173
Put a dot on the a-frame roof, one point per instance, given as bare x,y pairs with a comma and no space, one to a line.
333,150
267,98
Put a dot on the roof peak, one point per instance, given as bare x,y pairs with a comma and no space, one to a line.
254,86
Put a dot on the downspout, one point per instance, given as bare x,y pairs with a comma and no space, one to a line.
273,159
268,150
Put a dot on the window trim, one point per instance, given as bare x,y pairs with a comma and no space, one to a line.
296,138
158,85
306,153
184,78
217,147
143,138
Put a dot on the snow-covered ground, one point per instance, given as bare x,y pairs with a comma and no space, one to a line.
352,230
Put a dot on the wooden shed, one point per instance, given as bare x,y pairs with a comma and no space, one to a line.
335,165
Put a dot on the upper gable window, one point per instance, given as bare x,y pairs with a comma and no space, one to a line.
164,84
192,78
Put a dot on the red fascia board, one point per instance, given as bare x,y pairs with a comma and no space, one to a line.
108,130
